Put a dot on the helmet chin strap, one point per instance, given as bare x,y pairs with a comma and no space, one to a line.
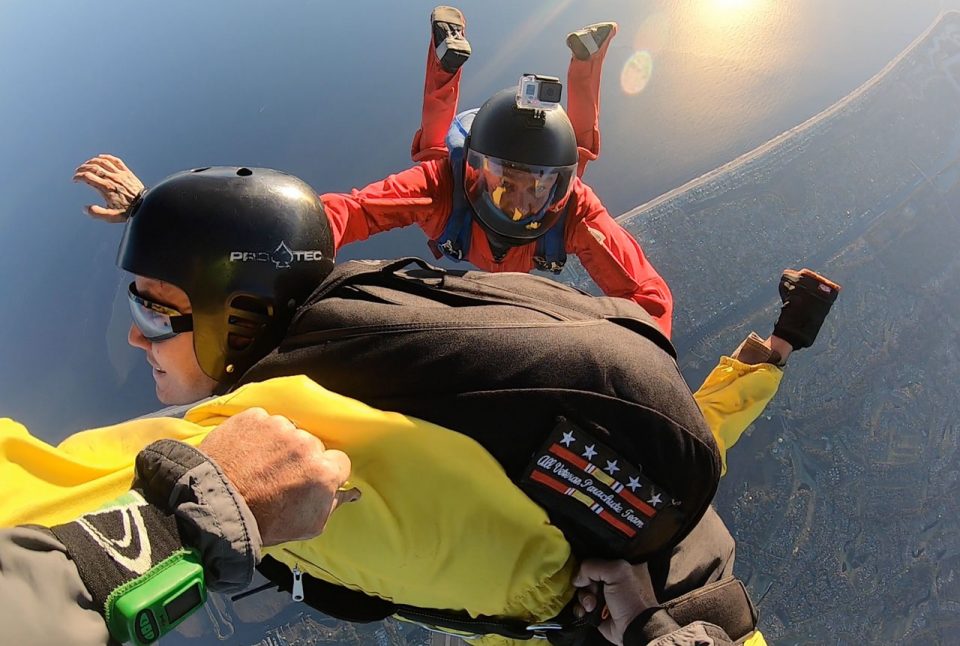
499,245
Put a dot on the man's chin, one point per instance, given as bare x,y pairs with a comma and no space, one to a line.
172,396
166,394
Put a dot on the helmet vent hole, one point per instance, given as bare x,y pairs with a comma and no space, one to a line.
252,305
244,172
200,170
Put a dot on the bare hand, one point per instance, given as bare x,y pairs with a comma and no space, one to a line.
116,183
285,475
627,591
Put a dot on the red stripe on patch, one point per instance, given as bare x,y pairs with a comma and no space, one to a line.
550,482
561,452
626,529
639,504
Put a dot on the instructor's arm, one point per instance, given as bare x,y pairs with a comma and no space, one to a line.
251,497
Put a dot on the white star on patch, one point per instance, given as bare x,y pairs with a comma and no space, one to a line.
568,439
612,467
655,499
634,484
590,452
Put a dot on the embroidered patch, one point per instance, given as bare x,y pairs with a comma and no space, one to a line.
581,477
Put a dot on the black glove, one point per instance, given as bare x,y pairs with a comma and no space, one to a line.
807,297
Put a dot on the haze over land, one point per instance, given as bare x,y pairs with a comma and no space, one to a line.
844,500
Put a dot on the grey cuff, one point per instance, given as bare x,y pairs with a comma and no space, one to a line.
211,515
649,625
699,633
753,352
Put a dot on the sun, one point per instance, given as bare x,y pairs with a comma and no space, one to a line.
732,5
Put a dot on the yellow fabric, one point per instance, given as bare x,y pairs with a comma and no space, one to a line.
732,396
756,639
439,524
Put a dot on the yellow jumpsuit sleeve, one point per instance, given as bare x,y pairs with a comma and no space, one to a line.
440,525
732,396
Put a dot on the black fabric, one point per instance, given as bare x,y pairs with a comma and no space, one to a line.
118,544
500,357
123,540
807,298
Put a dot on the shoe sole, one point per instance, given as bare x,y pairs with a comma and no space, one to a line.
451,15
584,45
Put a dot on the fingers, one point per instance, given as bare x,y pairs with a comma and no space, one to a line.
588,600
596,570
107,163
289,479
94,180
115,161
108,215
337,462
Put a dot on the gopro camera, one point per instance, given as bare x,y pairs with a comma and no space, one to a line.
537,92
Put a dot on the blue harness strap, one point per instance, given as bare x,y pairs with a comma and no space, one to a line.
454,241
551,253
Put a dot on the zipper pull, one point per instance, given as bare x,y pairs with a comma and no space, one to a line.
297,583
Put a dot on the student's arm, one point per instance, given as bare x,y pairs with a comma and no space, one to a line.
614,259
740,387
735,393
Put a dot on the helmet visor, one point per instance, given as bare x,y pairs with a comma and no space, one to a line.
156,322
521,197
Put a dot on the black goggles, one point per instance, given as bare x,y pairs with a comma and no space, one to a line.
156,322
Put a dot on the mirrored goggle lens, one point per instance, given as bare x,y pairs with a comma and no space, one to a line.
155,321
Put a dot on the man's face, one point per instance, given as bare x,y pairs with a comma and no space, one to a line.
519,193
176,371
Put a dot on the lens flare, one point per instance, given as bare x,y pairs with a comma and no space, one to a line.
636,72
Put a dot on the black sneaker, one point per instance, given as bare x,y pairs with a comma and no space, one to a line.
807,297
449,41
586,42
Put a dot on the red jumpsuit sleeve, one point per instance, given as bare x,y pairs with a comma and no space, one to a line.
420,195
614,259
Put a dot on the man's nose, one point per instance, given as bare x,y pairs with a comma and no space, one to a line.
136,339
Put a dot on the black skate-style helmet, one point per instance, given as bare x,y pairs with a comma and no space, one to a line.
520,165
247,245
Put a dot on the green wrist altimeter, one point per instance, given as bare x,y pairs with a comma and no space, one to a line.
153,604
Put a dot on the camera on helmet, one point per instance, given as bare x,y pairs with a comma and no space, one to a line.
536,92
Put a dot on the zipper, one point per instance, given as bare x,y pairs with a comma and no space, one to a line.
297,592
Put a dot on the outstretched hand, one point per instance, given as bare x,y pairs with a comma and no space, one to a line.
116,183
290,481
